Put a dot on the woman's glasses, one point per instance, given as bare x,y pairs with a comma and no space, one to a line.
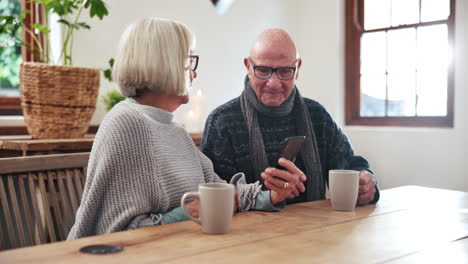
194,62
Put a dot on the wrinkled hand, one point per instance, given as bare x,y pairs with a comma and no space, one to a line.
276,179
366,188
193,207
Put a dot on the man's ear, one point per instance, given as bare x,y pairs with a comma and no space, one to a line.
247,63
299,63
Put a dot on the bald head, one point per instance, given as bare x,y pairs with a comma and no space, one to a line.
273,52
274,42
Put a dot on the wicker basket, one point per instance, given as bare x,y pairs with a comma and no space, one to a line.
57,101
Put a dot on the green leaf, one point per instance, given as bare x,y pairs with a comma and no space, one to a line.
97,8
108,75
84,25
112,98
63,21
111,62
42,28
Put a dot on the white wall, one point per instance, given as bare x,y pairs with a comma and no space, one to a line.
399,156
222,42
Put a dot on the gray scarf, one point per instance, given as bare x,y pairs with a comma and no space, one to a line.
250,105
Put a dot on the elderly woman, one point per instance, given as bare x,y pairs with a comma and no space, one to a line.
142,162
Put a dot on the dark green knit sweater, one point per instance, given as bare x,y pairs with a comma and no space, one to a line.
226,142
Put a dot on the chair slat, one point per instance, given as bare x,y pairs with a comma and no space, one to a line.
54,201
39,197
45,201
83,176
37,215
16,212
1,241
27,213
6,211
72,192
79,186
64,200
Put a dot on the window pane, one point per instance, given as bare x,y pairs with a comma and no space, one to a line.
376,14
433,60
373,94
373,73
373,53
402,72
434,10
401,93
10,54
405,12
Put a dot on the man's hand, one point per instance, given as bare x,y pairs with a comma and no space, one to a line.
284,183
366,188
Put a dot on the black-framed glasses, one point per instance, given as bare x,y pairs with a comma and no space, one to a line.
194,62
264,72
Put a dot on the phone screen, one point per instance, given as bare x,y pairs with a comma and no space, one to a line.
290,147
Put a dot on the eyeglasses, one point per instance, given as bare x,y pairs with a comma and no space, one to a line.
194,62
264,72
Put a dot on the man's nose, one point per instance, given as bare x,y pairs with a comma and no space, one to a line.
274,81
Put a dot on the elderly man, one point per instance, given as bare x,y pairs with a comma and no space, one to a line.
245,133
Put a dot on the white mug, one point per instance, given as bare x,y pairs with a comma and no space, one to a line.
216,206
344,189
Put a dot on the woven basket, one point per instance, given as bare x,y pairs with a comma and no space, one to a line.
57,101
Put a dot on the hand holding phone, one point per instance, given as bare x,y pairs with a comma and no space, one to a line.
290,147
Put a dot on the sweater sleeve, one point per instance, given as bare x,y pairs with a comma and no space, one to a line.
119,189
250,195
173,216
218,148
341,154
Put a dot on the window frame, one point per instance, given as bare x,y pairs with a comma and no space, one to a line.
12,105
354,19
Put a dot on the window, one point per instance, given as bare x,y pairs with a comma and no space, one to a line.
11,56
399,66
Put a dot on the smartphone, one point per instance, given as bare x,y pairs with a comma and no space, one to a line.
290,147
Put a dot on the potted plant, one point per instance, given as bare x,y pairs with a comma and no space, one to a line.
58,101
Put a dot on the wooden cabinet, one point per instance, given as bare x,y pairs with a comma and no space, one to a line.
13,146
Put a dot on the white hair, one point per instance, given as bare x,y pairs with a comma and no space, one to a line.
153,54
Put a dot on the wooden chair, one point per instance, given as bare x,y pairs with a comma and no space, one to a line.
39,197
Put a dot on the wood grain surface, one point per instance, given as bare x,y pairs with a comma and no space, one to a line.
404,227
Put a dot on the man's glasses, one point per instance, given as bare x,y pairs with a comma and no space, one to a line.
194,62
264,73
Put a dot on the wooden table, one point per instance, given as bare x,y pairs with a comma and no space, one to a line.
409,225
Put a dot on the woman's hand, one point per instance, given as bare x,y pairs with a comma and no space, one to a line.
286,183
193,207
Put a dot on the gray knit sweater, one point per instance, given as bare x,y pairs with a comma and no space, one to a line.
140,165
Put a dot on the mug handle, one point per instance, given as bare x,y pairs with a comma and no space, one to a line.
185,209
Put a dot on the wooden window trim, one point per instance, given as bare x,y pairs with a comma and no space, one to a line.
12,105
354,19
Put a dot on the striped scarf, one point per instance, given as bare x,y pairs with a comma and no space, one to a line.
251,106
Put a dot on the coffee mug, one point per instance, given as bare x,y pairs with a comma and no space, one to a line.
344,189
215,208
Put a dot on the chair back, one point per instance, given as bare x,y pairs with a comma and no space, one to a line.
39,197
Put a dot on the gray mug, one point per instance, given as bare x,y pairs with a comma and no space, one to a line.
216,206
